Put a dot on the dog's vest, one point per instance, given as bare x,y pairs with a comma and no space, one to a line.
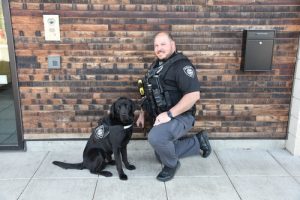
102,131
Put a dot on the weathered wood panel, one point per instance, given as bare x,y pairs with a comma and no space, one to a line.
107,45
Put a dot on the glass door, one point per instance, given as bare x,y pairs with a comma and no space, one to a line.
10,126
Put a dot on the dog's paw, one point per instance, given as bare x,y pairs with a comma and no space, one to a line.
105,173
130,167
123,177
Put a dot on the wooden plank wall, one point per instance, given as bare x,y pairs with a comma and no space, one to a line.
106,45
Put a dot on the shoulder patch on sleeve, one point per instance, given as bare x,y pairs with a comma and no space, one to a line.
101,132
189,71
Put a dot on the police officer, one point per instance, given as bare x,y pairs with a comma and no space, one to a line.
173,120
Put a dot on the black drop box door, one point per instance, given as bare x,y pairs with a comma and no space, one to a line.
259,50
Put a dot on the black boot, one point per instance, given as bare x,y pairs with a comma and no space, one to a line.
204,143
167,173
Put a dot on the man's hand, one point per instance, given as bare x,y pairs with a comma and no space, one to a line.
162,118
185,103
141,119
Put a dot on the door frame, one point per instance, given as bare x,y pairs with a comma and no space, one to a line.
14,77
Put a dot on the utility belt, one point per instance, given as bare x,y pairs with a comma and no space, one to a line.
155,101
158,100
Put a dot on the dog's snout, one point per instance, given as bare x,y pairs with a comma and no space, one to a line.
123,111
123,114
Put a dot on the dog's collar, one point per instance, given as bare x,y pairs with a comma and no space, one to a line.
128,126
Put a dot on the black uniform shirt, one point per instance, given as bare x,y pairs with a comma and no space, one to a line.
183,76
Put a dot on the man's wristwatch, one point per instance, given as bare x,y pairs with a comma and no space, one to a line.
170,114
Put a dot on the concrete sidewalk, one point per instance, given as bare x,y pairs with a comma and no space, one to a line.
228,174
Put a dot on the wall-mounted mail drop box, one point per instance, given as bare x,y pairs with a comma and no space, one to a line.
259,50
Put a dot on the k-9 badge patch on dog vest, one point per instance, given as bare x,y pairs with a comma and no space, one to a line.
189,70
101,132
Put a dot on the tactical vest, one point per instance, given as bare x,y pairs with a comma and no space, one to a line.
157,92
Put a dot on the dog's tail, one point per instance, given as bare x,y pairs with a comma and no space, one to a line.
69,165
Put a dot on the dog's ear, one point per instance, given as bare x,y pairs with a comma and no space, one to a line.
113,110
132,107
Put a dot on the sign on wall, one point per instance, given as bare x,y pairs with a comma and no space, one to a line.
51,27
3,79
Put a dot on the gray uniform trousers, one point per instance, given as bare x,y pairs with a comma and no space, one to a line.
168,140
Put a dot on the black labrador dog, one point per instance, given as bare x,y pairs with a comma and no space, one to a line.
111,136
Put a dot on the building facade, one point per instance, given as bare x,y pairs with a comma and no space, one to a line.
104,47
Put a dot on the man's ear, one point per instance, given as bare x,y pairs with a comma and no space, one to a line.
173,45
